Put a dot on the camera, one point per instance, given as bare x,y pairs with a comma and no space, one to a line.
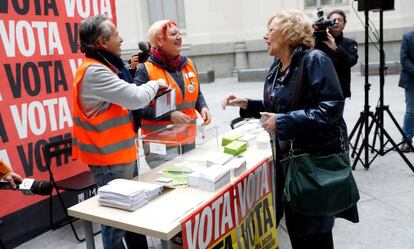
320,26
144,52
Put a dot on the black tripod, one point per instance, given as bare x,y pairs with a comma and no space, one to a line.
378,117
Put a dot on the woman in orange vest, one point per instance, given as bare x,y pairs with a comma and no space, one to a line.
181,75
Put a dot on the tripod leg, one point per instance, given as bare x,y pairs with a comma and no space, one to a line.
399,129
397,149
361,125
376,134
355,127
365,142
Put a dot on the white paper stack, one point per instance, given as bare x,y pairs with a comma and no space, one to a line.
248,138
127,194
218,158
214,177
194,179
237,166
263,142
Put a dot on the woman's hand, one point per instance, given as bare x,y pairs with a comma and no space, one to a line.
13,179
179,118
270,122
233,100
205,115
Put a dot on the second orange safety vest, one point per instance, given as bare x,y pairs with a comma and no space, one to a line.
185,102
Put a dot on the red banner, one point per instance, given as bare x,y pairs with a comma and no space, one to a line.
240,216
38,47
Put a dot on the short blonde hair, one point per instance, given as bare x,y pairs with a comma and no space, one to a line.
159,29
295,26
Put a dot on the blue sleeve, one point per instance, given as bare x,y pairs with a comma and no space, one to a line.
325,92
407,62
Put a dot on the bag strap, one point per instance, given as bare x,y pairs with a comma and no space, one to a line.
300,86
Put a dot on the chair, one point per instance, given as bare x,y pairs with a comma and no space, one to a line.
238,122
79,182
2,246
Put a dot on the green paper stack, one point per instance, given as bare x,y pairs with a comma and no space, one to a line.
228,138
235,148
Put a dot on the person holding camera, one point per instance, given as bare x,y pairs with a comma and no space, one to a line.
342,51
302,108
8,175
181,75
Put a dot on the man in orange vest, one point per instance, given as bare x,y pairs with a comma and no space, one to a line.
103,132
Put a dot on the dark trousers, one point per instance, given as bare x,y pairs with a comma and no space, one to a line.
317,241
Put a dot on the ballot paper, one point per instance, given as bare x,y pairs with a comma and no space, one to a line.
127,194
218,158
235,148
164,103
237,166
213,178
229,137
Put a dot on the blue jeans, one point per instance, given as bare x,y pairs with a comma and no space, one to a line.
408,125
112,237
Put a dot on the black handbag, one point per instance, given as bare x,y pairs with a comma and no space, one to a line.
317,185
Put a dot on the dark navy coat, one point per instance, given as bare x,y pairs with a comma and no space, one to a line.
314,121
407,61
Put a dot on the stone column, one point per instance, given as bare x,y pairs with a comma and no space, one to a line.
240,57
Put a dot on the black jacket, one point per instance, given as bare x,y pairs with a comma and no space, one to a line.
345,57
316,126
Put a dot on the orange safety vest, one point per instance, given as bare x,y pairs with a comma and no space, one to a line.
106,139
185,102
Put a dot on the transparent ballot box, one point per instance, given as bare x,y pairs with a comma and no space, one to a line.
172,142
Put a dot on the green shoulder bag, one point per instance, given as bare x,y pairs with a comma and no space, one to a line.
319,185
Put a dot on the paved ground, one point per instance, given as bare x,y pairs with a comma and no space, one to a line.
387,188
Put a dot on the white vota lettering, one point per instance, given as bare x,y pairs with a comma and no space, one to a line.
106,8
205,221
65,115
36,110
8,38
50,105
241,187
83,7
258,187
24,29
54,39
83,11
20,120
250,193
216,207
265,180
192,233
226,213
74,66
40,26
23,34
4,156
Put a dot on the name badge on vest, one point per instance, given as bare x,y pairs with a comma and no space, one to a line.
191,87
